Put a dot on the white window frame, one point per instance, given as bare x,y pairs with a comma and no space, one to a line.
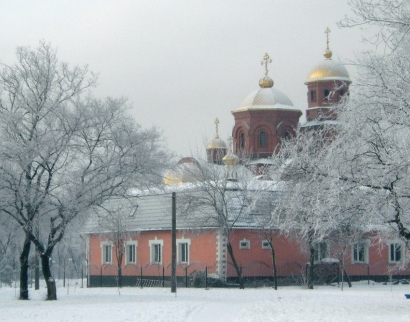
246,242
127,244
266,244
396,243
103,246
365,244
179,251
152,244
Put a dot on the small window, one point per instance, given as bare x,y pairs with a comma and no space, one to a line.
244,244
395,252
313,96
241,140
360,253
265,244
341,92
106,253
183,253
326,94
262,139
287,136
131,253
156,251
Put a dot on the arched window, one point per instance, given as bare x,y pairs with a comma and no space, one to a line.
241,140
313,96
262,138
287,136
326,94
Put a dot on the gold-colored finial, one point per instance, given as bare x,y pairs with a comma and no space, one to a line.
327,53
266,60
230,160
216,128
266,82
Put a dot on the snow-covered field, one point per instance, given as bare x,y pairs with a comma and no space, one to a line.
363,302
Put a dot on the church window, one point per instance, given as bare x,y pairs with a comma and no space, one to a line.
313,96
241,140
326,94
287,136
262,138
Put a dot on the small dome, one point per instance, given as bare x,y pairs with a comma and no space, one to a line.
265,98
216,143
328,70
230,160
184,172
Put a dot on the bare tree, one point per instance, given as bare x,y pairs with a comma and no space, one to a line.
62,153
219,197
113,223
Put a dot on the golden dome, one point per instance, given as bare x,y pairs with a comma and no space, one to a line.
266,82
230,160
184,172
328,70
216,143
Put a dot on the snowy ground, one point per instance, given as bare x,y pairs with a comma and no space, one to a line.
363,302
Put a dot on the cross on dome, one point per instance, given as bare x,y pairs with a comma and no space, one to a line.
266,60
327,32
216,128
327,53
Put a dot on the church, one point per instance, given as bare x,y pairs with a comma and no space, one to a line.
138,246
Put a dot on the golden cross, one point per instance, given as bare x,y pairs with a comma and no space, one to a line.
216,126
266,60
327,32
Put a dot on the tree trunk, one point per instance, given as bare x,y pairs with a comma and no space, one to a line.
235,264
311,263
119,273
51,286
24,269
347,277
275,280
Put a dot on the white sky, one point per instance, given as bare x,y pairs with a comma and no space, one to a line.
182,63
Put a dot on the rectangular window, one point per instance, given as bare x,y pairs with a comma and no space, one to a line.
313,96
131,253
107,253
244,244
156,251
183,253
265,244
395,252
360,251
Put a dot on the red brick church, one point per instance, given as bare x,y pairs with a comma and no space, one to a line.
263,119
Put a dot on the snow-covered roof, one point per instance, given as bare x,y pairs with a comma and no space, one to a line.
266,98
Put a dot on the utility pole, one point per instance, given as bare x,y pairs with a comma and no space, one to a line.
174,246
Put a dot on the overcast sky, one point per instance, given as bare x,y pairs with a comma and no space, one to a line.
184,63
